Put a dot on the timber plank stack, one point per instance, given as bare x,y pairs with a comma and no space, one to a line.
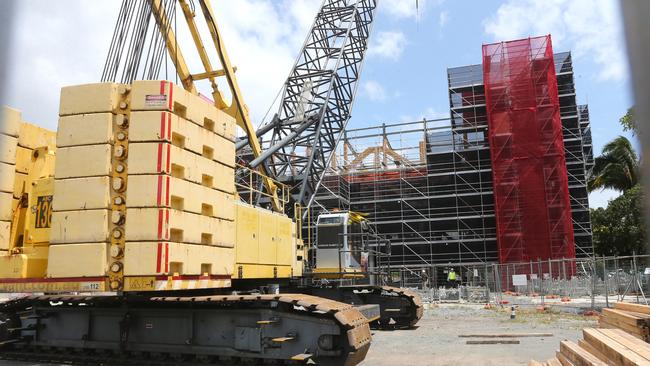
632,318
601,347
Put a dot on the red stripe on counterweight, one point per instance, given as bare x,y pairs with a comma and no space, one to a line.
160,223
167,192
171,95
159,190
162,132
167,223
169,125
159,165
193,277
166,257
168,159
162,125
158,257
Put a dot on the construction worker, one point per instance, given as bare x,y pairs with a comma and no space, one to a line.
425,279
451,278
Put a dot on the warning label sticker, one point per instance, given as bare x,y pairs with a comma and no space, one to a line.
155,100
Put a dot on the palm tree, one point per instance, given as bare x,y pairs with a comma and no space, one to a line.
616,168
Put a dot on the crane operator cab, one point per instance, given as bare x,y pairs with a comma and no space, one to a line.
342,249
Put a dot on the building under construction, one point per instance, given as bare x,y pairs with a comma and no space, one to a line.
503,179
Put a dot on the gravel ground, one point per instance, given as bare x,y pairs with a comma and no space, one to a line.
436,341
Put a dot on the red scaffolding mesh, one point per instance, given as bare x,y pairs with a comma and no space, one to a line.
531,193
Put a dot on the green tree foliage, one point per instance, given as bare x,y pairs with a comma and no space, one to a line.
619,229
630,122
616,168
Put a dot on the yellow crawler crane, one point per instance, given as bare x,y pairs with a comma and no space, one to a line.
139,202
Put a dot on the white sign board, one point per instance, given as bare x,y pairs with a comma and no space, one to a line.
519,280
533,276
647,271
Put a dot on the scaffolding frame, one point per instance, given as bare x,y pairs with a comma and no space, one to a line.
436,201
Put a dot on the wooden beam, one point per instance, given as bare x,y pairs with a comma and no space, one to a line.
589,348
605,322
638,346
564,361
579,356
505,335
613,350
493,341
645,309
624,317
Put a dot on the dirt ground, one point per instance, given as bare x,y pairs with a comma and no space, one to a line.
436,341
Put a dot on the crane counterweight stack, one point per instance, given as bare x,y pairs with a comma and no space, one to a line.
144,173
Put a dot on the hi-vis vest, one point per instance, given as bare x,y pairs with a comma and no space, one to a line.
451,276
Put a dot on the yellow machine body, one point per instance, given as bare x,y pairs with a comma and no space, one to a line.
103,188
265,244
27,165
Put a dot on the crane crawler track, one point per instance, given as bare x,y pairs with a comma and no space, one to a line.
399,308
219,329
415,311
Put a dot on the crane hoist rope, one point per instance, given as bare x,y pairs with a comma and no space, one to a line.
127,54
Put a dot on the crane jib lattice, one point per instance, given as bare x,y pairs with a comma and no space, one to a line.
317,97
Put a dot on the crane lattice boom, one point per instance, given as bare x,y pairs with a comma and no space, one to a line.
317,97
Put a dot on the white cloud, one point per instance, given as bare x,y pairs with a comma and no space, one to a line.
49,51
263,38
589,28
443,19
388,44
430,113
433,113
402,9
374,91
601,198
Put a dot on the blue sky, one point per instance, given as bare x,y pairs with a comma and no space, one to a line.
405,72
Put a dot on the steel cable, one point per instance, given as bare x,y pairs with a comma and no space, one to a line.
137,46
